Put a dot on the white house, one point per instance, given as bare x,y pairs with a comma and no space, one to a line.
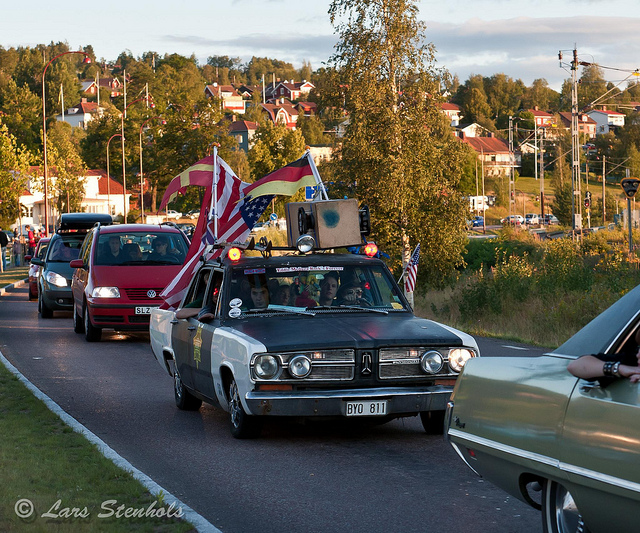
452,111
80,115
606,120
100,196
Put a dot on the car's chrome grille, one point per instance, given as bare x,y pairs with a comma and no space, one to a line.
329,372
404,363
143,294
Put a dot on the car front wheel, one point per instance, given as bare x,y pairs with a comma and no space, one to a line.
184,399
432,422
91,333
45,312
243,426
78,325
560,513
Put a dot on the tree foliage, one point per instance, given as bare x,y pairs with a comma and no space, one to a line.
274,147
14,169
66,164
399,156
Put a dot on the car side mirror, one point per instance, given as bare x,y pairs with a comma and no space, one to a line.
36,261
28,257
76,263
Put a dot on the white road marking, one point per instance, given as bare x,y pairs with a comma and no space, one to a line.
515,347
199,521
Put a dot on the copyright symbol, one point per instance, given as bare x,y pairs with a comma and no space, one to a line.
23,508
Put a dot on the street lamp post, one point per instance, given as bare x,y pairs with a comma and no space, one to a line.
87,59
141,173
108,175
124,178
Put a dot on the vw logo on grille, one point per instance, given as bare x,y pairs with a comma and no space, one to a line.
151,293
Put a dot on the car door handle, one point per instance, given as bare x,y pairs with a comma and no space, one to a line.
192,328
174,321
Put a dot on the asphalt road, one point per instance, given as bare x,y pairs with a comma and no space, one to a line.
314,477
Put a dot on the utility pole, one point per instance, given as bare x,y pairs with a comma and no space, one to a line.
604,181
541,177
575,145
511,161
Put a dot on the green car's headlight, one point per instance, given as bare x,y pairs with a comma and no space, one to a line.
458,357
266,366
55,279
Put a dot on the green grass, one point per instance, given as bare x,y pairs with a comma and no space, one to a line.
43,460
12,275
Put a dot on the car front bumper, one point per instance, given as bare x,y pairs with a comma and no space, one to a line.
57,298
400,400
120,316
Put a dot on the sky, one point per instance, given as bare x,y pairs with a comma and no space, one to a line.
518,38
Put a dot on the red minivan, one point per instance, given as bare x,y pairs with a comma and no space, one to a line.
120,273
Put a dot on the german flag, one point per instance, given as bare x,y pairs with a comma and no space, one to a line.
199,174
284,181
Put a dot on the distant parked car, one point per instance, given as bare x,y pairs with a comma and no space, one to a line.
174,214
477,221
551,219
34,270
531,219
193,214
513,220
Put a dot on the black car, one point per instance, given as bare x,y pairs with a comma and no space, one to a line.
54,283
316,335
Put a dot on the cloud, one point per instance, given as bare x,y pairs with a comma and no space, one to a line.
527,48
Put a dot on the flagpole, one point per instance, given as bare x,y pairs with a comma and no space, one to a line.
316,174
214,197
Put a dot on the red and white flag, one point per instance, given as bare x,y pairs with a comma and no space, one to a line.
235,218
411,273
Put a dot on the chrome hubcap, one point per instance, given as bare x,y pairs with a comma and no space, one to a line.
568,517
234,404
177,382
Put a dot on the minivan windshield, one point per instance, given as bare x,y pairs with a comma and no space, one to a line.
137,248
316,288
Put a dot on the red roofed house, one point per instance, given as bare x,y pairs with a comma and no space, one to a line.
80,115
586,124
231,98
292,90
494,153
307,108
606,121
281,113
542,119
453,112
243,131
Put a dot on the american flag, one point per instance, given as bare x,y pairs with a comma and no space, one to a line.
236,218
412,270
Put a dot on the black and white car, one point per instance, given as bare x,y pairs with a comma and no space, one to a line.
316,335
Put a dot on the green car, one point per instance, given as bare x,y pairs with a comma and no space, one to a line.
567,446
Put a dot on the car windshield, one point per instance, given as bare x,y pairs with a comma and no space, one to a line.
64,248
137,248
320,289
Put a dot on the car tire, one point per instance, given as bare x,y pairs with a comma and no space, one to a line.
433,422
91,333
45,312
243,426
184,399
559,511
78,324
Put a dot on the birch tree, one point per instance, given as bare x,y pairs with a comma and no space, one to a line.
399,155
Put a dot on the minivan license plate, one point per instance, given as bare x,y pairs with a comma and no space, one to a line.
366,408
144,310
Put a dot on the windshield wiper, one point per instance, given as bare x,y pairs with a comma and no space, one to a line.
356,307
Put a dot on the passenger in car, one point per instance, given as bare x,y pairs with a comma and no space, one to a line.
351,294
132,252
282,295
623,364
112,254
259,291
328,289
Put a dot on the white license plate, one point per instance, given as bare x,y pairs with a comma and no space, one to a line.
144,310
366,408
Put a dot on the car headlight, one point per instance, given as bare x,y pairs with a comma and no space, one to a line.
266,366
458,357
56,279
300,366
431,362
105,292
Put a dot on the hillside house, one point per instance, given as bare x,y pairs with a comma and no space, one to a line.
232,100
80,115
494,154
453,111
606,120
